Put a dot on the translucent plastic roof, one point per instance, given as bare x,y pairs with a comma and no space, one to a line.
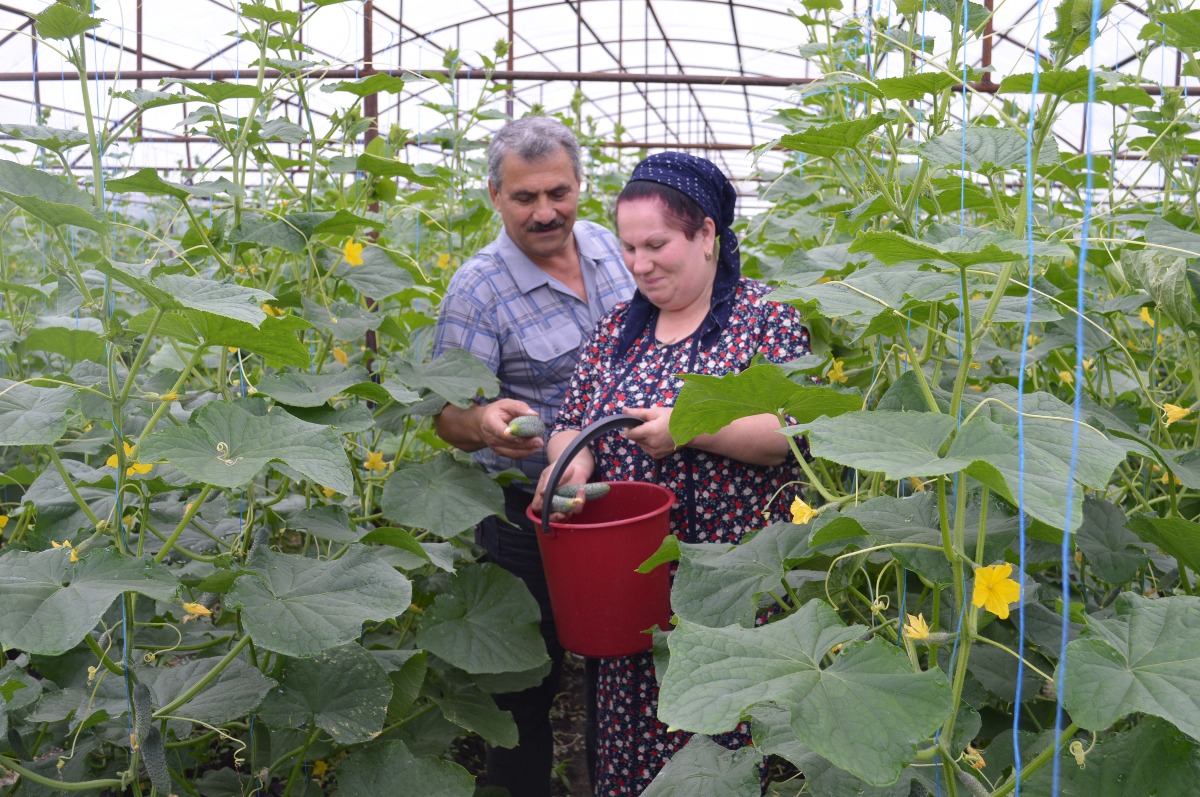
686,39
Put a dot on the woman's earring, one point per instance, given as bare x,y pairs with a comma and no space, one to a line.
708,255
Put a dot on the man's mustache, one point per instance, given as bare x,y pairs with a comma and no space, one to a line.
539,227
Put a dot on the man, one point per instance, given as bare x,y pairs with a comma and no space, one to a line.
525,305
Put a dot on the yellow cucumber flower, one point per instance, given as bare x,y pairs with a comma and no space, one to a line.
374,461
836,374
916,627
66,544
353,252
339,355
801,512
994,590
197,610
1066,377
443,261
1145,317
134,465
1173,413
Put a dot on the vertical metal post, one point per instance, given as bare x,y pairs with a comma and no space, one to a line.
512,45
620,57
371,110
138,55
371,101
988,32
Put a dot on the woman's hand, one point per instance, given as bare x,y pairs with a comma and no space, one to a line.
578,471
654,436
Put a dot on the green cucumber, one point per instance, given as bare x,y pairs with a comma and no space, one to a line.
154,758
561,504
143,712
591,491
526,426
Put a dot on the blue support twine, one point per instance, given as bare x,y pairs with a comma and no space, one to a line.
1018,767
1065,551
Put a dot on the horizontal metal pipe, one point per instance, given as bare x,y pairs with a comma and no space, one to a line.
500,75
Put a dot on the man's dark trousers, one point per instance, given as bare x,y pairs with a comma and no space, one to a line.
525,769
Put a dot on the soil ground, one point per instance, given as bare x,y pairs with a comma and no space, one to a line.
569,718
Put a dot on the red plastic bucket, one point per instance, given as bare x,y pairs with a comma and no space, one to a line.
602,605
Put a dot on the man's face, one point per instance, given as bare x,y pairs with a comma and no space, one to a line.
538,201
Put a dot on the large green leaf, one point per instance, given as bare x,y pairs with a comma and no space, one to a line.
372,84
1175,536
441,495
50,603
235,692
64,21
390,768
301,389
829,140
1151,759
342,690
457,376
146,181
1114,553
916,87
393,167
300,607
990,441
704,768
341,320
772,729
31,416
893,247
872,292
1180,29
865,713
227,444
378,277
275,338
719,584
708,404
987,149
486,622
219,91
224,299
325,522
474,710
52,138
48,198
1143,659
897,444
1163,273
886,520
74,344
1050,82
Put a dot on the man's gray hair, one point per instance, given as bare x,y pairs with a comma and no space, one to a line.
532,139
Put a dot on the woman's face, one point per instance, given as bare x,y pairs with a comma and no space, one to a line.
670,271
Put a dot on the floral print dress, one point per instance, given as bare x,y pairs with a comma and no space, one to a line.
719,499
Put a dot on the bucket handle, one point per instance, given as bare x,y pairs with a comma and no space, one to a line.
587,435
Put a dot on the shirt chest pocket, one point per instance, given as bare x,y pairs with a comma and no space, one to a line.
552,353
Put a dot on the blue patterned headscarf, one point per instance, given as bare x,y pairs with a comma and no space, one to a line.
703,182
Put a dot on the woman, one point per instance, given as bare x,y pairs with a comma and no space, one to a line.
693,313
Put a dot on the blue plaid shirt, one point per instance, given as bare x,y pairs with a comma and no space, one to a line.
527,326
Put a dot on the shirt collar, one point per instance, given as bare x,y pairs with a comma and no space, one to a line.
526,273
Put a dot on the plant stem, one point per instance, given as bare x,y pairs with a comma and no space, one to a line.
1037,763
208,678
59,785
299,753
71,488
187,518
